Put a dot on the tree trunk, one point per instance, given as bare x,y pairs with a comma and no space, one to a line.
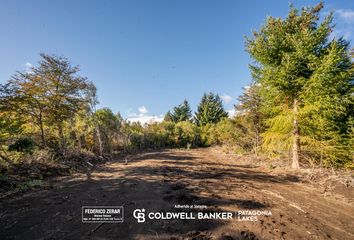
296,137
256,130
44,143
62,139
99,141
257,144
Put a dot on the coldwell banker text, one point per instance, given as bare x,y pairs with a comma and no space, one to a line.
140,215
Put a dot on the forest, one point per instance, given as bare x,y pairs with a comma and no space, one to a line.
299,106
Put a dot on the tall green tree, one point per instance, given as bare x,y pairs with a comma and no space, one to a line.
250,109
180,113
210,110
306,78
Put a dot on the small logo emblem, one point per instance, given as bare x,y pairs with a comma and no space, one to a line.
139,214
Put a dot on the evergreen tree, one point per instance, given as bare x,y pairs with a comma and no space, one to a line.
168,117
250,109
210,110
181,112
306,81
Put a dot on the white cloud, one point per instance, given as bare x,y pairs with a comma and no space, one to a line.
226,98
28,67
345,14
344,24
28,64
146,119
142,116
143,110
231,112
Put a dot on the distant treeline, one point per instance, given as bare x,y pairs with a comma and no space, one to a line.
299,105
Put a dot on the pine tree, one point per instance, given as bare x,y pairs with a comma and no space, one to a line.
179,113
250,109
168,117
210,110
306,79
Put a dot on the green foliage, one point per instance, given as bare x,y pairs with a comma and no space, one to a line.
250,109
9,125
306,84
210,110
186,133
107,126
35,183
25,145
302,89
48,95
277,139
38,107
224,132
10,129
230,133
168,117
161,135
180,113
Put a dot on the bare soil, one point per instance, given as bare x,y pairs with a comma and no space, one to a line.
301,208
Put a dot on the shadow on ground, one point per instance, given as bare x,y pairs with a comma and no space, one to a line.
55,213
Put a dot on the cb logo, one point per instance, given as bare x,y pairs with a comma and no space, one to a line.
139,214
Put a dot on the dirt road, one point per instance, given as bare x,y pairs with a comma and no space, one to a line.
157,181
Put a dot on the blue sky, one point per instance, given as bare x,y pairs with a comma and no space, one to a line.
147,56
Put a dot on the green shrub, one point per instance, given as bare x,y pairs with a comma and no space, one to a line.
25,145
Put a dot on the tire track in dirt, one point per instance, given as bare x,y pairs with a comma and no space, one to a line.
159,180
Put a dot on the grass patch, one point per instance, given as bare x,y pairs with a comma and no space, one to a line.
35,183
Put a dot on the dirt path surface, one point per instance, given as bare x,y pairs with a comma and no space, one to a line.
157,181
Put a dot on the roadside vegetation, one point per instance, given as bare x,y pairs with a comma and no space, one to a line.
299,106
